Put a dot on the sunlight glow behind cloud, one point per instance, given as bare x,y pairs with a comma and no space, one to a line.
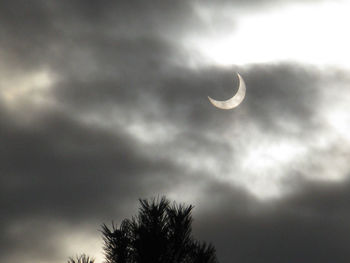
79,242
267,155
31,87
311,34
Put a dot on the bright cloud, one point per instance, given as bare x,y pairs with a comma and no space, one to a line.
311,34
32,87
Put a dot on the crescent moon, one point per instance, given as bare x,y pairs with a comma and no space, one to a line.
235,100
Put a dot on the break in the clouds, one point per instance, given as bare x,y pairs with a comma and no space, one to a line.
102,103
292,31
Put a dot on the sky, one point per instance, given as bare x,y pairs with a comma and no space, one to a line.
105,102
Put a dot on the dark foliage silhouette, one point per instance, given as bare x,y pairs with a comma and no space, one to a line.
81,259
160,233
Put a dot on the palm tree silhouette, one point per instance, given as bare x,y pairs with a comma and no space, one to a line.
160,233
81,259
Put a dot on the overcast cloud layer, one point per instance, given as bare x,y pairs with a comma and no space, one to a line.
105,102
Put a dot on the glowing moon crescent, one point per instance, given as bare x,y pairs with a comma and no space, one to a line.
234,101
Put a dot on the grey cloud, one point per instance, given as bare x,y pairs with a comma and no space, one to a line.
35,33
310,225
276,93
124,58
58,170
283,92
59,167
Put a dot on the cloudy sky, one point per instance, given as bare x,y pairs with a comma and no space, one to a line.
105,102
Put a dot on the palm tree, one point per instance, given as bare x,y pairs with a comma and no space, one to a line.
118,243
160,233
81,259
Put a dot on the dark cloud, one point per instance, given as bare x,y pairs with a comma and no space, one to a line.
283,92
310,225
180,94
60,170
60,166
43,32
130,118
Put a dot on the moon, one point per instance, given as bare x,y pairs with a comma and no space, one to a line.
235,100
